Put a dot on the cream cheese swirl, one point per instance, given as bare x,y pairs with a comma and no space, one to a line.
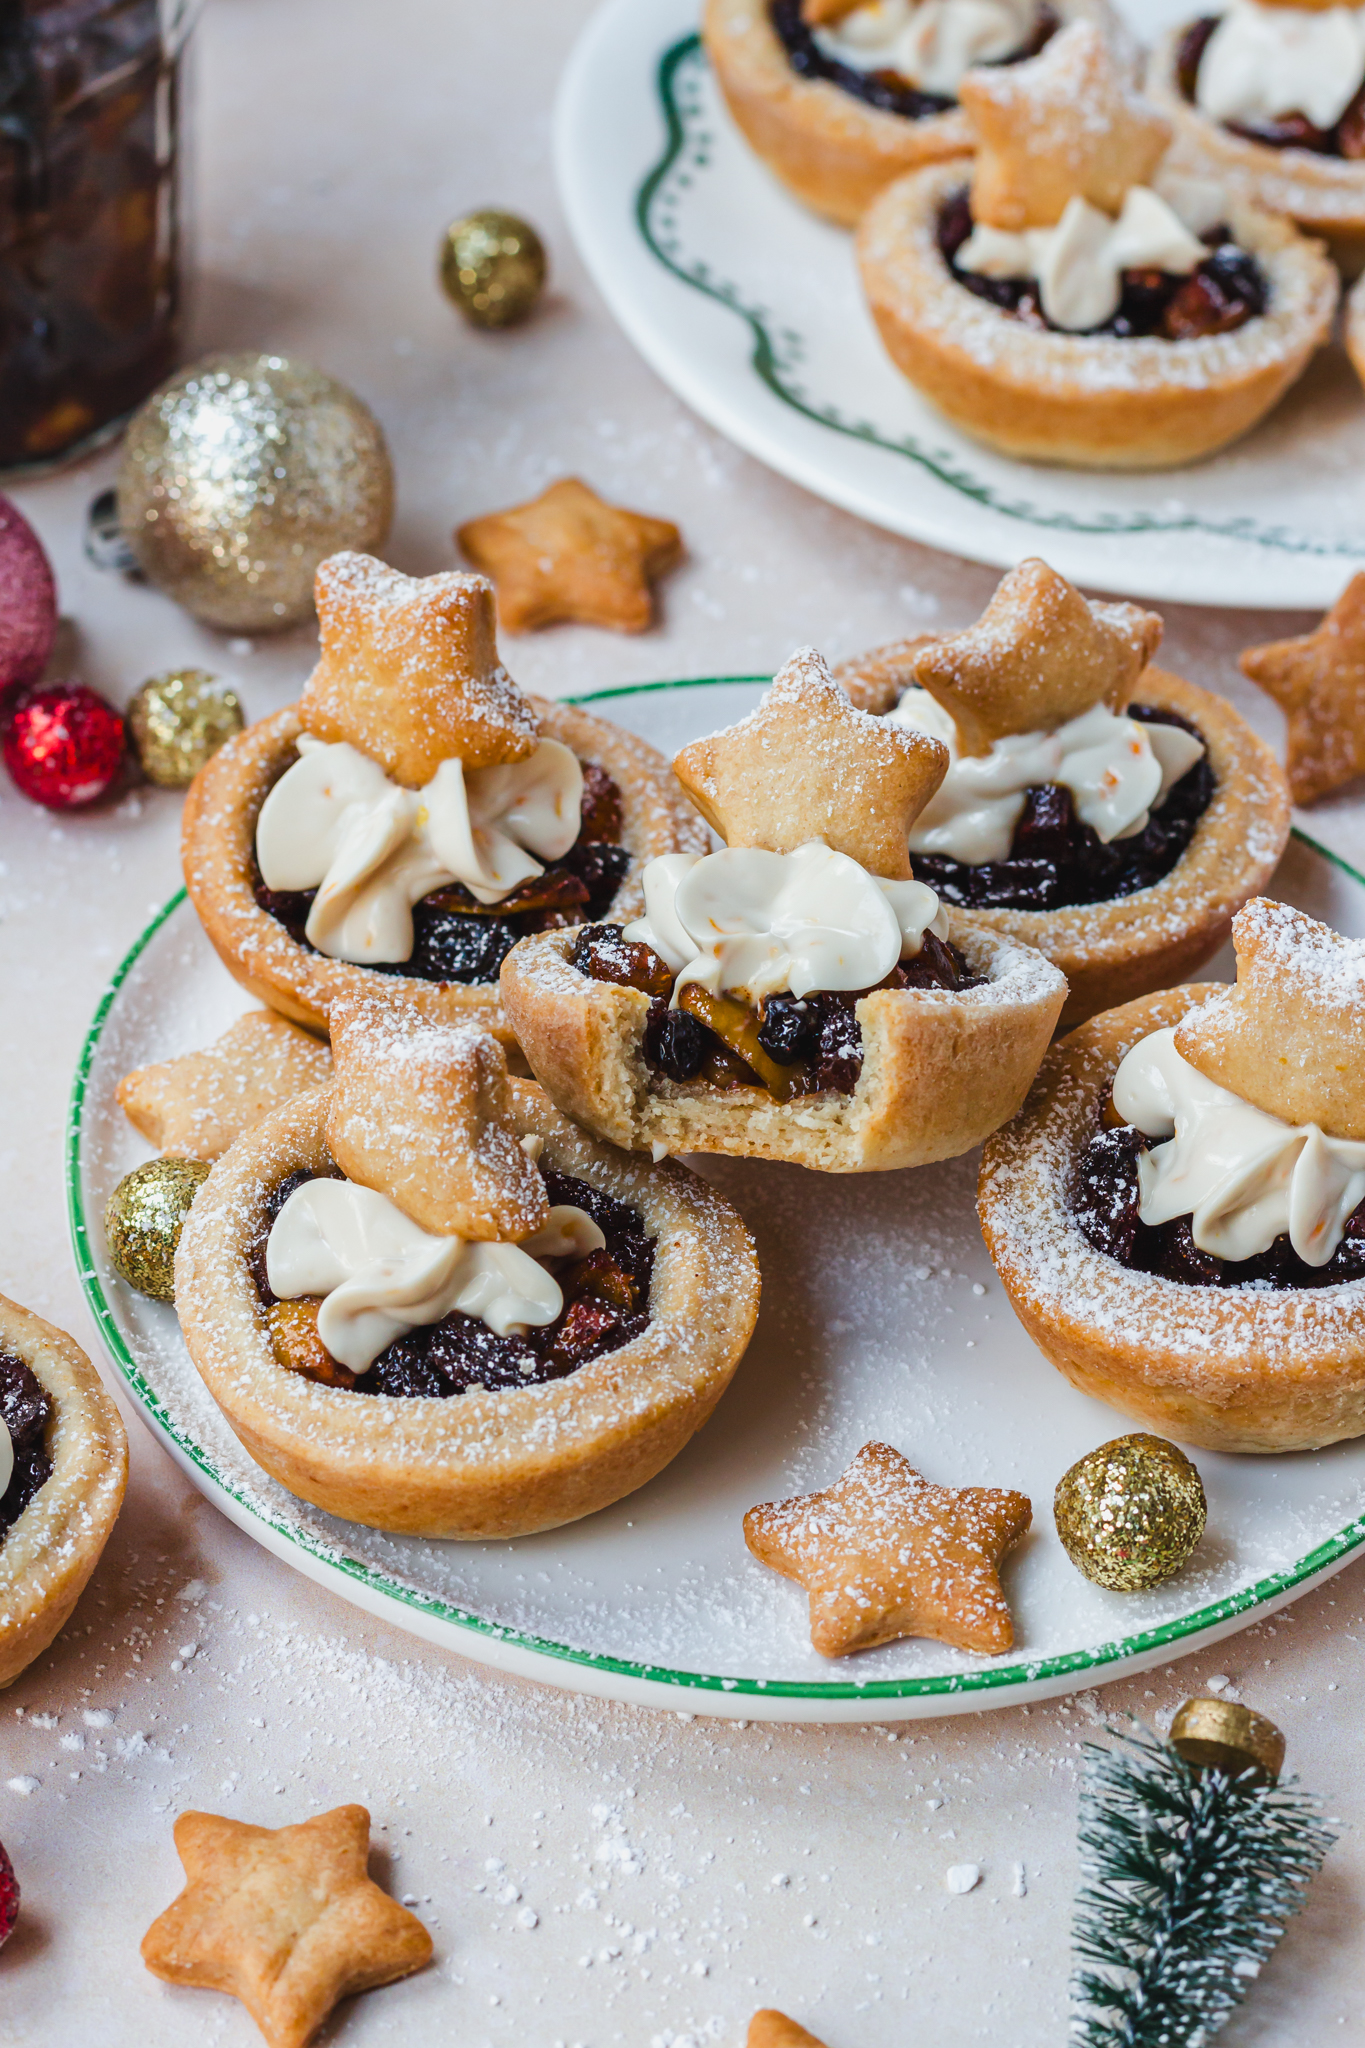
929,43
1262,63
1243,1177
1079,264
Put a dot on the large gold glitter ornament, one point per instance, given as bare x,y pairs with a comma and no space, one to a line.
1223,1735
493,267
1130,1513
144,1217
239,476
179,721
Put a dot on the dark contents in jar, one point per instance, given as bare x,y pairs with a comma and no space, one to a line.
26,1410
817,1037
1055,862
1289,131
1225,291
456,941
888,90
1104,1202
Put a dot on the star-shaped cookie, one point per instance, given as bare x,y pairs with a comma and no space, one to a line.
1061,125
1318,681
1290,1036
772,2029
198,1105
570,556
286,1919
409,671
883,1554
807,765
1039,654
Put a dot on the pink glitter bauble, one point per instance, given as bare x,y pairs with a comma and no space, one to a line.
28,602
64,746
9,1897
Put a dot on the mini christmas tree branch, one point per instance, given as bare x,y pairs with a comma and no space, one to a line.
1188,1878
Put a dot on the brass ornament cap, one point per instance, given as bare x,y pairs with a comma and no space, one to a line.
1130,1513
772,2029
1289,1037
1060,126
178,722
1039,654
144,1217
492,267
570,558
1220,1735
806,764
1318,681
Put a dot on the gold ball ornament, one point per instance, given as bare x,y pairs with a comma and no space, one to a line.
1130,1513
493,267
239,476
178,722
144,1217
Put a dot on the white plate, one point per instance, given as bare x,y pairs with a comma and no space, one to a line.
882,1317
750,308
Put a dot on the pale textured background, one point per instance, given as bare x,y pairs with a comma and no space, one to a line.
679,1874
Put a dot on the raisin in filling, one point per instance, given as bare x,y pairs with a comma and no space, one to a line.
790,1047
1290,131
1104,1202
1225,291
26,1409
606,1304
455,940
887,90
1055,862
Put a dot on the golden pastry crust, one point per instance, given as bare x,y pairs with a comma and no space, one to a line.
1318,681
50,1552
570,557
876,681
218,848
479,1465
835,152
1229,1369
1353,329
940,1070
1085,400
198,1105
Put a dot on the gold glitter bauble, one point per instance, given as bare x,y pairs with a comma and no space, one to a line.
493,267
144,1217
1222,1735
179,721
239,476
1130,1513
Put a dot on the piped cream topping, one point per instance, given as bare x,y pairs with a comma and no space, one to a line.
1079,264
381,1275
6,1456
1117,769
1242,1177
335,822
748,920
929,43
1261,63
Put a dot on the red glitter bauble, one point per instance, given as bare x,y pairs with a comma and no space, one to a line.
64,746
28,602
9,1897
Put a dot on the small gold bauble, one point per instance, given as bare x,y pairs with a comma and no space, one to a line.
144,1217
239,476
1221,1735
179,721
493,267
1130,1513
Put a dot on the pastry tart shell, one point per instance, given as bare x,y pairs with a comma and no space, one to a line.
51,1550
479,1465
940,1070
1355,327
218,848
1085,400
1228,1369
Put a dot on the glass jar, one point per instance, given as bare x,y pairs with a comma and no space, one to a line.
89,280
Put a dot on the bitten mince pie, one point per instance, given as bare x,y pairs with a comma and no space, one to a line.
1110,814
1271,101
426,1302
1062,300
840,98
797,995
63,1470
414,814
1179,1214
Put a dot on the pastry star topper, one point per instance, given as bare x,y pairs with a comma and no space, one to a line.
1039,654
772,2029
807,765
569,555
1318,681
1290,1036
1059,126
409,671
286,1919
884,1554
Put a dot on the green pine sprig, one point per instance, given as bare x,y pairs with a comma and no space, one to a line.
1187,1881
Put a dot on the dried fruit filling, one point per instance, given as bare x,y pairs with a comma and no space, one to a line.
606,1304
1290,131
787,1046
26,1410
457,939
887,90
